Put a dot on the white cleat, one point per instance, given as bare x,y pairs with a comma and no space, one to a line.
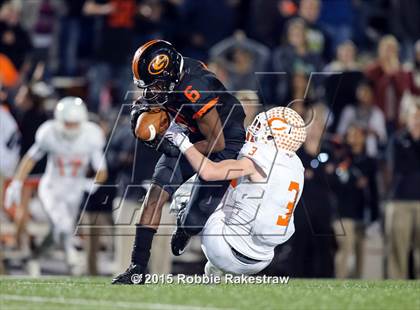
75,262
33,268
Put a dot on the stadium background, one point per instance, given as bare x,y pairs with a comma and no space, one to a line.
52,48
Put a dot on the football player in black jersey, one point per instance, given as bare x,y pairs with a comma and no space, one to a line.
194,97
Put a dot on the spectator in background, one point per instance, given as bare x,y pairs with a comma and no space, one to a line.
312,244
366,115
344,76
413,69
345,58
15,42
43,31
356,191
390,80
206,22
405,24
31,112
70,32
250,102
309,10
242,57
114,48
402,215
267,19
157,19
301,92
9,75
293,56
337,19
409,97
217,66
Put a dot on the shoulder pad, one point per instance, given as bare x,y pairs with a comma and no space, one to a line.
45,132
95,134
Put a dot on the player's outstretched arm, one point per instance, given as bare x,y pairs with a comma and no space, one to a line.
206,168
14,190
228,169
35,153
25,167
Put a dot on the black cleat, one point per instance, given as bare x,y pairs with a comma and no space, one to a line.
180,238
133,275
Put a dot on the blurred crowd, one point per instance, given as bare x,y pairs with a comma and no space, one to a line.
350,67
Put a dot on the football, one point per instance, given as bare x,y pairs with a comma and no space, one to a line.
152,123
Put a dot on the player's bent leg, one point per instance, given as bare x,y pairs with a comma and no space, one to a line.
152,206
145,231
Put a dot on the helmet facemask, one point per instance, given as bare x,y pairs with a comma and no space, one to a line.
70,130
157,93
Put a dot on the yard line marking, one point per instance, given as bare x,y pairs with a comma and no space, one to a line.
109,303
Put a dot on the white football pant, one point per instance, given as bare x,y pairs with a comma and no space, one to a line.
219,252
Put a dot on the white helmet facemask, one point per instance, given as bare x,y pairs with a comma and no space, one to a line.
282,127
70,114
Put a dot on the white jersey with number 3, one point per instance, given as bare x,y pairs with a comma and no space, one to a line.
259,216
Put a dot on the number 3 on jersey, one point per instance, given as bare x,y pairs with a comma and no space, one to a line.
283,220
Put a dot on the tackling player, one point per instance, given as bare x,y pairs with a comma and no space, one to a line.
194,97
256,213
71,143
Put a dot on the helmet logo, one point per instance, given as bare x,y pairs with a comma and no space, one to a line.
158,64
277,123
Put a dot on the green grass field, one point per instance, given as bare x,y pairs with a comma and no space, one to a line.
97,293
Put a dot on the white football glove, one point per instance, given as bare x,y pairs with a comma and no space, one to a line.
90,186
13,194
176,134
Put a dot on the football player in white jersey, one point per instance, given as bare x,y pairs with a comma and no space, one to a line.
256,213
72,143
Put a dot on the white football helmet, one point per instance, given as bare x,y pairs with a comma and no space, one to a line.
70,113
282,125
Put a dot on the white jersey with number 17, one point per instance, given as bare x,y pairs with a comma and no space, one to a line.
68,160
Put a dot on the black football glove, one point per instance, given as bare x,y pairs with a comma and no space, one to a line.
167,147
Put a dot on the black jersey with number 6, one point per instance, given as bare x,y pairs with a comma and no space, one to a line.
198,92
